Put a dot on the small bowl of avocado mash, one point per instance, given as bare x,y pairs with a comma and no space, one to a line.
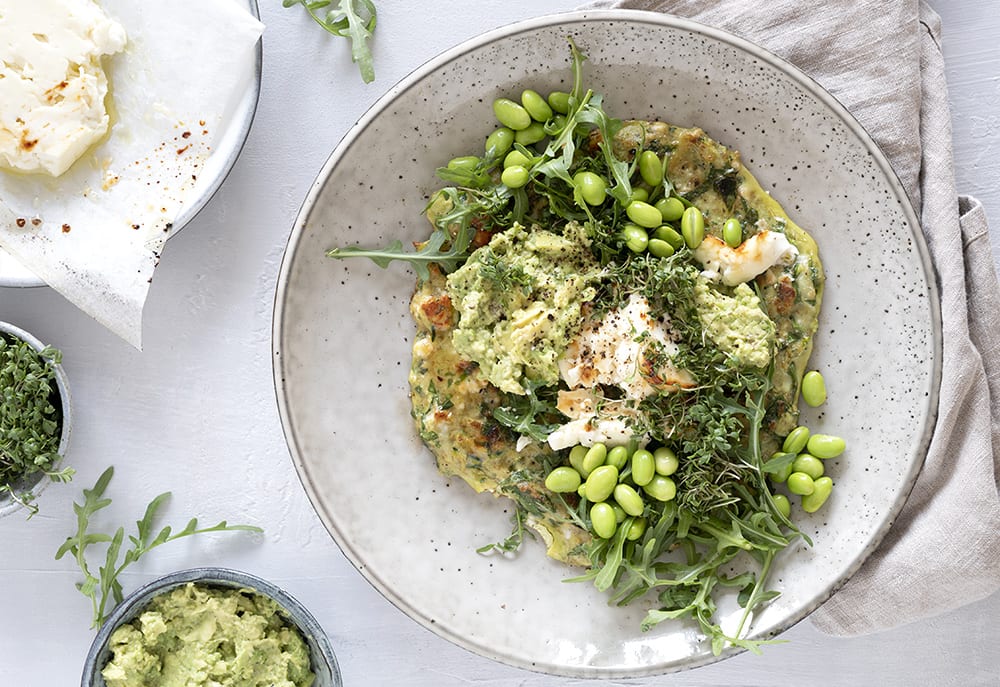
211,626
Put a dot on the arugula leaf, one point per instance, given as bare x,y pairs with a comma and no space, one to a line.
106,585
351,19
529,415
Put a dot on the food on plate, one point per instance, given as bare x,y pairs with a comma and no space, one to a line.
197,634
613,321
53,85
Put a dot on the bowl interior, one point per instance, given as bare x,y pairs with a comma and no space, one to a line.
343,334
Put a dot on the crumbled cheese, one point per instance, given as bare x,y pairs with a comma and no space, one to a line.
741,264
52,83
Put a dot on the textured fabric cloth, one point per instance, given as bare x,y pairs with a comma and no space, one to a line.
882,60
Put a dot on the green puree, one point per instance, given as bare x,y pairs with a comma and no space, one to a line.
199,636
736,324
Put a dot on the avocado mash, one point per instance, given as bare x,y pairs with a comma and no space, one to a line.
519,301
736,324
197,635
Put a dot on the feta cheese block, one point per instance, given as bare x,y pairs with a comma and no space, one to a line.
52,83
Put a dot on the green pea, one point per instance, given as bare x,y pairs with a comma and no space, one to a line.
660,249
650,168
643,214
595,457
665,461
510,114
667,233
576,456
661,488
636,529
635,238
602,519
800,483
693,227
591,186
629,499
499,142
796,440
782,503
732,232
826,445
643,467
617,456
515,176
810,465
821,492
531,134
813,388
559,101
563,480
640,194
536,106
601,483
671,209
620,513
516,157
466,163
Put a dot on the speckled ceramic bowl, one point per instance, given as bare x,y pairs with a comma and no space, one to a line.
35,483
342,335
324,662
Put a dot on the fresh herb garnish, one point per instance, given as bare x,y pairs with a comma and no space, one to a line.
351,19
105,585
30,420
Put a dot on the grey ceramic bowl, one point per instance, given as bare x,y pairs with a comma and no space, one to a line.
324,662
36,482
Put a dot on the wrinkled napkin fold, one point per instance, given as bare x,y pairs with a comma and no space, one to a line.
882,60
95,233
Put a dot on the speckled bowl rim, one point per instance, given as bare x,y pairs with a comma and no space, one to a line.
9,505
621,16
135,602
252,98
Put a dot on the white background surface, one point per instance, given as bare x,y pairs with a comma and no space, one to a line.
195,413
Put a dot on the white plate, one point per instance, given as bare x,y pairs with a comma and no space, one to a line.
217,167
342,334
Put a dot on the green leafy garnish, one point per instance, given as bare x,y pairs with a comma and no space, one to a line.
351,19
30,418
105,585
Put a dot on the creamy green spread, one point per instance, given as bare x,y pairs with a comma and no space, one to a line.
200,636
519,300
736,324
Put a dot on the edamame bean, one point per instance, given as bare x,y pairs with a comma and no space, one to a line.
782,474
601,483
796,440
636,529
732,232
813,388
810,465
635,238
559,101
650,168
671,209
782,503
595,457
466,163
665,461
826,446
640,194
643,214
510,114
667,233
499,142
536,106
563,480
643,467
659,248
800,483
516,157
693,227
582,491
618,456
821,492
620,513
515,176
576,456
531,134
602,519
629,499
661,488
591,186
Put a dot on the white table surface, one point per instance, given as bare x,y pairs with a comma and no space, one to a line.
194,412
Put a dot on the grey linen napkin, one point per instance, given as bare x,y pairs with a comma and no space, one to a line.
882,60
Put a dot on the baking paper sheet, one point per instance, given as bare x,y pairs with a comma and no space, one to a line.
95,233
